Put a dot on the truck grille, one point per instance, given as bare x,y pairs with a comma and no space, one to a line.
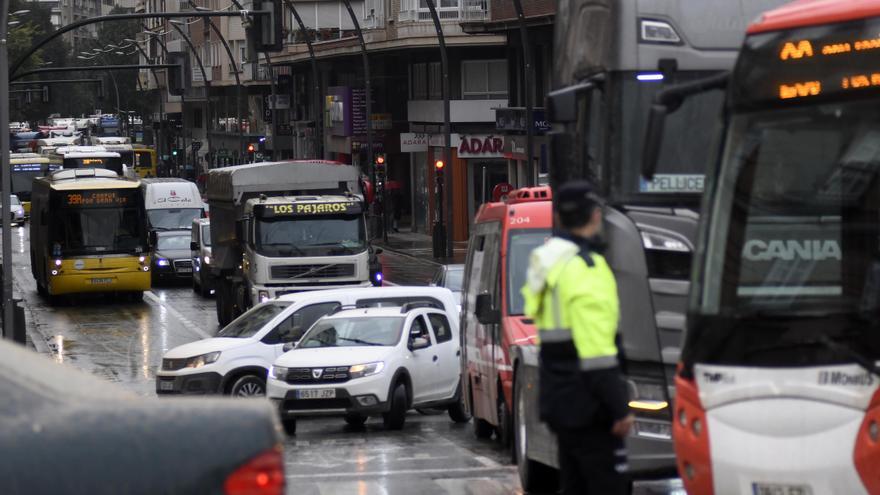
173,364
317,271
306,376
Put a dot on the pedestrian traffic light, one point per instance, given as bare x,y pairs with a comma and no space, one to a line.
380,160
264,31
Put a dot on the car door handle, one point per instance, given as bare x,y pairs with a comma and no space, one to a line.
435,358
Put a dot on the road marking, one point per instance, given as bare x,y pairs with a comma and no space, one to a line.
401,472
489,463
183,319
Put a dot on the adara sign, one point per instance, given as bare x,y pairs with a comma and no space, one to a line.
481,147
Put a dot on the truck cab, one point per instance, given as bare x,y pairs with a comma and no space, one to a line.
299,243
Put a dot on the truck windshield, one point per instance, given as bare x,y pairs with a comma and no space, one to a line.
248,324
172,218
349,332
688,136
97,231
795,235
519,246
324,235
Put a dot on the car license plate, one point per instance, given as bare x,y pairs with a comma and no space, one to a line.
166,385
780,489
318,393
184,270
101,281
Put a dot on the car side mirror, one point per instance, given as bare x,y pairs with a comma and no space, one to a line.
418,343
288,346
485,311
193,246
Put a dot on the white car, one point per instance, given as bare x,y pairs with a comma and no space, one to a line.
16,209
237,360
370,361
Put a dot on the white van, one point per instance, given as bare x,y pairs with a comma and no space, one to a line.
171,204
237,360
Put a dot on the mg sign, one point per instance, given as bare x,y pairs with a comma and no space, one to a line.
481,147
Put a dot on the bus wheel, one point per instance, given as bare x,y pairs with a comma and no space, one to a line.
534,476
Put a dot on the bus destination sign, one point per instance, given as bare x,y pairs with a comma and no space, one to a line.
311,209
809,63
97,198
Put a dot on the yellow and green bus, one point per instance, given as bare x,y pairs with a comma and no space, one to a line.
25,168
145,162
88,234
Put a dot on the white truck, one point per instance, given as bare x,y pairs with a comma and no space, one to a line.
283,227
171,204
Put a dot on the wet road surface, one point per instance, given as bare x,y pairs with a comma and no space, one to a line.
123,342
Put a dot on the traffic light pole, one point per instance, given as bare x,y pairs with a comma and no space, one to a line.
448,232
207,82
367,87
164,48
529,90
319,113
5,175
158,94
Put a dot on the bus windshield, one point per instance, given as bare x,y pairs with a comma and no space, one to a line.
689,133
323,235
80,231
795,235
519,248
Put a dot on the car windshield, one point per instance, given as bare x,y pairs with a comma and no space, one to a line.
248,324
519,248
172,218
324,235
689,132
172,242
796,235
354,332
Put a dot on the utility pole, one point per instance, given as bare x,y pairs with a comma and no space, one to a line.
5,176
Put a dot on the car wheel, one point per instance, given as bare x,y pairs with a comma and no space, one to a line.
534,476
504,430
289,425
356,420
396,415
458,413
248,386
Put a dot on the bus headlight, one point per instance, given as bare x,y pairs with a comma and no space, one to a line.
57,262
54,272
142,259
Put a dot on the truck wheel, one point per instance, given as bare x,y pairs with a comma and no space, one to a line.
223,305
504,430
204,290
534,476
195,285
355,420
248,386
396,415
289,425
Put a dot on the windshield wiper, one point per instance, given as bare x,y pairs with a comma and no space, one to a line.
358,341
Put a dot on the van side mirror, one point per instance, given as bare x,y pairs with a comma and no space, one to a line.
485,311
193,246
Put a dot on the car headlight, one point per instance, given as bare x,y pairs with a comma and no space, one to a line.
362,370
163,262
646,396
207,260
278,372
199,361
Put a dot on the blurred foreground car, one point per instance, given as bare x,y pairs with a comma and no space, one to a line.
63,431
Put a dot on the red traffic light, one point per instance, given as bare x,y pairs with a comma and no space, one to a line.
438,165
380,160
251,148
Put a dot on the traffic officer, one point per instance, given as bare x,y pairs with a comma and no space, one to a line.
571,295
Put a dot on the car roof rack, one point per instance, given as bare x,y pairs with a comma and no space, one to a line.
343,307
406,308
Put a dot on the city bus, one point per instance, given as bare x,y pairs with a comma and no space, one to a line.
145,162
88,234
72,157
25,168
778,379
611,57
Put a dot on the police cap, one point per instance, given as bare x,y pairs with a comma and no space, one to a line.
575,201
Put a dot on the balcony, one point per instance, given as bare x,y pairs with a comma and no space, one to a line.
474,10
417,10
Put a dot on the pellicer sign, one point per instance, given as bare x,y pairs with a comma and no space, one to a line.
307,209
673,183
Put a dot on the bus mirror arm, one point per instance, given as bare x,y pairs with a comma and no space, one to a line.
485,312
667,101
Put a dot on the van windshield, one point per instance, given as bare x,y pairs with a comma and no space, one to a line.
173,218
519,247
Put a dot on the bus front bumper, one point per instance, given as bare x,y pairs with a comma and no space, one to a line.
75,283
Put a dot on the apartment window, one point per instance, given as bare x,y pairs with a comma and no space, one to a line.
484,79
425,81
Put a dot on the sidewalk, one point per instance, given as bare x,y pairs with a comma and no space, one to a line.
420,246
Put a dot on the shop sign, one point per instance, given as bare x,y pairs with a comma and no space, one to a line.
337,110
414,142
481,147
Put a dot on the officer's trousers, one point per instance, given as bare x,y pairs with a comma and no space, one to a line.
591,462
